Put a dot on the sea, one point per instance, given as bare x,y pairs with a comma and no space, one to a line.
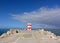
55,31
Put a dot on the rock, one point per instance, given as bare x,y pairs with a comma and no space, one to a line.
41,36
14,31
3,35
47,33
9,33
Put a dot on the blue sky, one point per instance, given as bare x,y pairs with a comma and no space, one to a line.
41,13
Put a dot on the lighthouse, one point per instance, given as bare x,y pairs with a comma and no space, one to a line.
29,26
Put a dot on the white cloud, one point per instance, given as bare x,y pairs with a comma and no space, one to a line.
45,16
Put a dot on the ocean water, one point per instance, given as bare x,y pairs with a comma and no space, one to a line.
55,31
3,31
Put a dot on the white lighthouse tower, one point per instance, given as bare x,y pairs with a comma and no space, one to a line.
29,26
